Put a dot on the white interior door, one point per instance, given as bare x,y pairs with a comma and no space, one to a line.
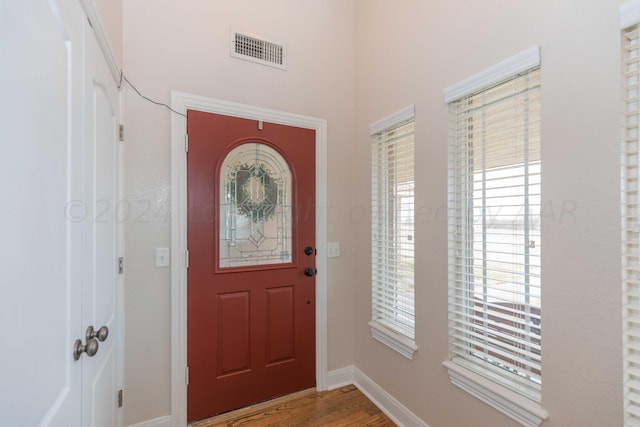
40,46
101,243
58,175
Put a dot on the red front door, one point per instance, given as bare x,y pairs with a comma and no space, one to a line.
251,241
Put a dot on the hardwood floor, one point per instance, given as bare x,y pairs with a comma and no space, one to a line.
342,407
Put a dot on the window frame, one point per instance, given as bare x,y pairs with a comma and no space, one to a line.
475,381
395,335
630,217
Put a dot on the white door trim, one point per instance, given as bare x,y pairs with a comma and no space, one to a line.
181,102
103,41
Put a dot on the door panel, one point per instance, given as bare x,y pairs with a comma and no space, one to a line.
57,256
251,308
280,336
234,339
103,159
100,383
102,404
39,296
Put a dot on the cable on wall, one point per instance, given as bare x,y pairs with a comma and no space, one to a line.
123,79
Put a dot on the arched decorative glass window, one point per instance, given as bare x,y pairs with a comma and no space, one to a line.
255,207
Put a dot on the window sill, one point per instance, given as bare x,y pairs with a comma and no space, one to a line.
510,403
395,341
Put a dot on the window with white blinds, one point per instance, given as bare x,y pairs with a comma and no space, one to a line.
494,233
392,234
631,225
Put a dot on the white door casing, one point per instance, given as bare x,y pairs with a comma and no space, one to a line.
180,102
45,298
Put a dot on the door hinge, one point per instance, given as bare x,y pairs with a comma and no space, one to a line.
186,142
120,398
186,375
186,259
121,133
120,265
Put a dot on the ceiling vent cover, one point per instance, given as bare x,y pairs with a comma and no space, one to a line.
257,49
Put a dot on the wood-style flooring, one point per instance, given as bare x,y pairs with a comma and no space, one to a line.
342,407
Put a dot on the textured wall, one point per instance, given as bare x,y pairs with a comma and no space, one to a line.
354,62
408,52
184,46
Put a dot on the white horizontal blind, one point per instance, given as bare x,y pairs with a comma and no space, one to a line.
494,233
630,226
392,237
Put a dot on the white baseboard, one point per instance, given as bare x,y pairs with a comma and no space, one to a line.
395,410
157,422
340,378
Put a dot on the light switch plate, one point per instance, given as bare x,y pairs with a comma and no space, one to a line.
162,257
333,249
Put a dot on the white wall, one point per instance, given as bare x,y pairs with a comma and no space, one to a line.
184,46
356,62
110,12
408,51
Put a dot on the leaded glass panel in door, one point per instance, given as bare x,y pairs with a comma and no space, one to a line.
255,207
